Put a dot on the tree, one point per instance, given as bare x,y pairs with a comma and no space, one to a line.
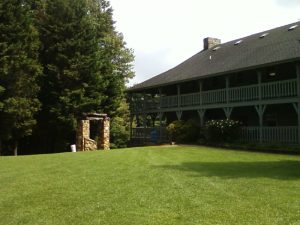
119,127
116,58
71,83
116,68
19,70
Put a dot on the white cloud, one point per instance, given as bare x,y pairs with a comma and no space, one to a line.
288,3
163,33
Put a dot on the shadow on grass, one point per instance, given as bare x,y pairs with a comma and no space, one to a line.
284,170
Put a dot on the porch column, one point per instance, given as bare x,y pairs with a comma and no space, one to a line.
298,108
259,85
228,111
145,126
200,91
138,122
298,79
227,91
130,126
144,101
260,109
159,95
201,113
179,114
160,116
178,96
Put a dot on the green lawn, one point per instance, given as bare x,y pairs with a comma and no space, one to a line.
151,185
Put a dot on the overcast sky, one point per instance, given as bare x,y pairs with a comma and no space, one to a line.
163,33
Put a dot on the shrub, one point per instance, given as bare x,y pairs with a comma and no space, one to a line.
119,135
222,131
184,131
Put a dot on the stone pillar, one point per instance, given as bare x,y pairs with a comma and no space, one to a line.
83,132
105,144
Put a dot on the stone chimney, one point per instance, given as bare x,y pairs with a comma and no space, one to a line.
210,42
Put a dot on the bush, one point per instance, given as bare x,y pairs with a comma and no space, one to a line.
222,131
119,135
184,131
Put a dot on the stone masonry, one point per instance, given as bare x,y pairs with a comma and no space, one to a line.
83,140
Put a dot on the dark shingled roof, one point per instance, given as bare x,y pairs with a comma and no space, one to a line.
280,45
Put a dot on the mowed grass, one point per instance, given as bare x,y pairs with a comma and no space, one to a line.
151,185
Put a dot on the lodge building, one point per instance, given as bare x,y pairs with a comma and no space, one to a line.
255,79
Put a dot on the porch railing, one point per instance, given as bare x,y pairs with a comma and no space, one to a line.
278,89
169,101
271,90
190,99
247,93
154,134
214,97
284,135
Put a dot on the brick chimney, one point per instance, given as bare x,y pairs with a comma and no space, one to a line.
210,42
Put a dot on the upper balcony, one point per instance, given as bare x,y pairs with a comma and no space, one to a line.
276,91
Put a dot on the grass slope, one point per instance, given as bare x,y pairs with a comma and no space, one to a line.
151,185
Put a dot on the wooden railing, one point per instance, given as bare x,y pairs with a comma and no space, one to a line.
214,97
284,135
169,101
190,99
271,90
246,93
278,89
150,133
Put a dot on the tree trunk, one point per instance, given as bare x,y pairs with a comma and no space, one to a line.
16,148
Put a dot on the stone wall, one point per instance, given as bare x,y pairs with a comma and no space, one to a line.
105,135
83,140
83,131
89,144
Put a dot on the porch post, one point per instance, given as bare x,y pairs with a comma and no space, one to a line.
297,109
159,94
138,122
145,125
227,90
259,85
260,111
298,103
228,111
200,91
201,113
178,96
298,79
160,116
144,101
130,126
179,114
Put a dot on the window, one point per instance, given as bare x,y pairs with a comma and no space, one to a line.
216,48
293,27
238,42
263,35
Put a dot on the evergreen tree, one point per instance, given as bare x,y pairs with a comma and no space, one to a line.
116,59
72,83
19,70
